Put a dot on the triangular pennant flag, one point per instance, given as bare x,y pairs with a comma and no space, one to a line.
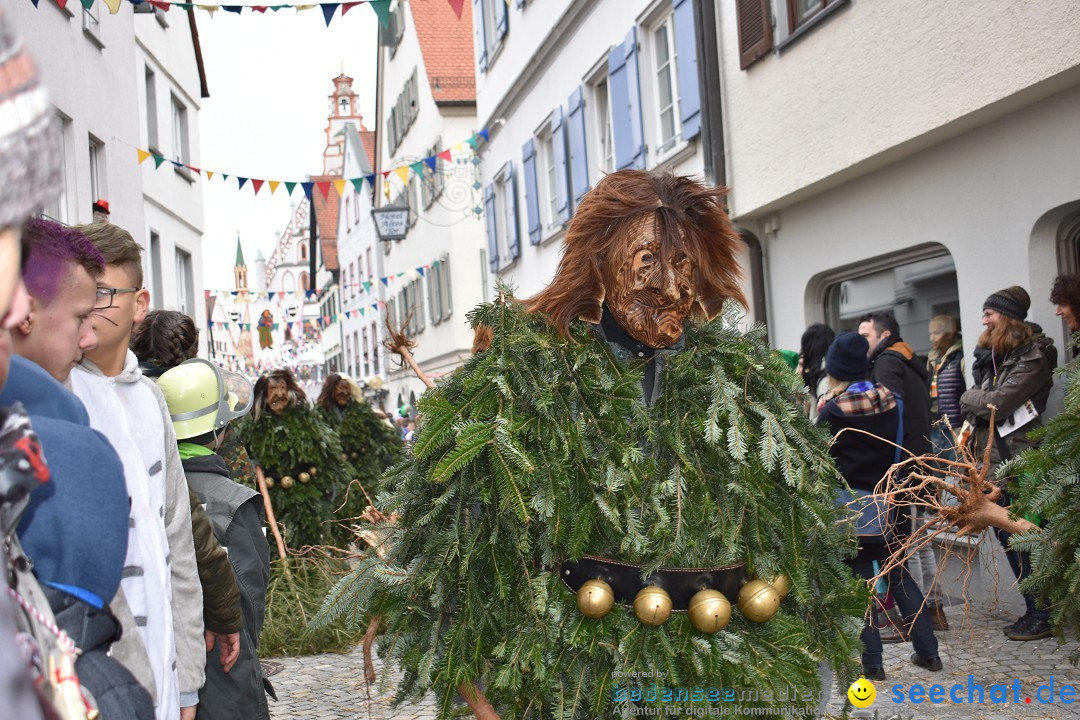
382,10
456,5
339,185
87,4
307,188
113,5
418,167
472,142
260,9
178,165
400,274
210,9
375,306
324,187
35,2
273,185
403,173
209,174
361,312
348,314
269,294
328,10
346,7
367,285
385,281
194,169
445,155
290,186
257,184
420,271
162,6
234,293
358,184
371,180
61,3
158,159
276,325
240,181
232,8
224,176
298,8
432,162
484,134
142,155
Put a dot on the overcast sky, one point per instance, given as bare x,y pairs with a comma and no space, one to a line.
269,78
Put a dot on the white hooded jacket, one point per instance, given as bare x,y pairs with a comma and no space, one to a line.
161,581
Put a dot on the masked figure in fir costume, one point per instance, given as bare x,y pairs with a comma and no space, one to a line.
369,444
301,458
590,497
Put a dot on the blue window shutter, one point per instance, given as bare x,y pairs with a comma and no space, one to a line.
513,246
501,17
532,199
579,162
624,94
558,146
686,65
479,42
492,237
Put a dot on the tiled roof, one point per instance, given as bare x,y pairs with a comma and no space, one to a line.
367,138
447,46
326,216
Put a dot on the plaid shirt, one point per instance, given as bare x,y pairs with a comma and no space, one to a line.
873,401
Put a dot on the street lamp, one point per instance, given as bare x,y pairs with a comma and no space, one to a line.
391,223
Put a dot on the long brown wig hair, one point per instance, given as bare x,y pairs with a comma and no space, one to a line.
688,216
262,390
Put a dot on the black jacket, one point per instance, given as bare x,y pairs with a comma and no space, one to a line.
895,365
236,513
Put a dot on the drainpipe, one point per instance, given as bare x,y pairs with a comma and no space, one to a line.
712,138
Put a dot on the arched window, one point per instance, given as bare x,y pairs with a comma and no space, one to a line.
288,282
305,282
303,251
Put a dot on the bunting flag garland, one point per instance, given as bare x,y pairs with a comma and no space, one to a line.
402,172
381,7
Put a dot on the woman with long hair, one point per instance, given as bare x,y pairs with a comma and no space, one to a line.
812,348
1016,381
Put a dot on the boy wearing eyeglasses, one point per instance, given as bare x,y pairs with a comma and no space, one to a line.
166,596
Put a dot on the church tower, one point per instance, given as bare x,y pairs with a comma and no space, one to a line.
344,109
240,268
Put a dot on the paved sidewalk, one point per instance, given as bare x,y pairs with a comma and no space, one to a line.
331,687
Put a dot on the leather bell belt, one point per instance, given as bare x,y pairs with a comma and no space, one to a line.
680,583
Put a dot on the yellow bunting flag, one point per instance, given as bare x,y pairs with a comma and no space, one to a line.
273,185
113,5
340,186
209,174
142,155
403,173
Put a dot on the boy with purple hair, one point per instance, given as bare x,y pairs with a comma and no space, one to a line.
61,272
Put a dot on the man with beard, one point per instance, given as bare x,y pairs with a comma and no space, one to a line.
617,454
370,445
305,474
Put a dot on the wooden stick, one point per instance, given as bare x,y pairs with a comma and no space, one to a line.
261,480
477,702
407,356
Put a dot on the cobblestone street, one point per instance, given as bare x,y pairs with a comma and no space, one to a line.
331,687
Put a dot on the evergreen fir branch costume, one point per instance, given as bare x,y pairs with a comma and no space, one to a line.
1049,489
289,443
548,447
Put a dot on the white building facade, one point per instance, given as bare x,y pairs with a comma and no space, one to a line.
121,82
437,273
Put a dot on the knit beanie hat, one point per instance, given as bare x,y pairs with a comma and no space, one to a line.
1012,301
847,358
29,147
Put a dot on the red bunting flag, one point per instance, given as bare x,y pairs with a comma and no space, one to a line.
445,155
346,7
324,188
257,184
163,6
456,5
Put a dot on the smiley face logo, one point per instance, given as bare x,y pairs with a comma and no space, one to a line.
862,693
